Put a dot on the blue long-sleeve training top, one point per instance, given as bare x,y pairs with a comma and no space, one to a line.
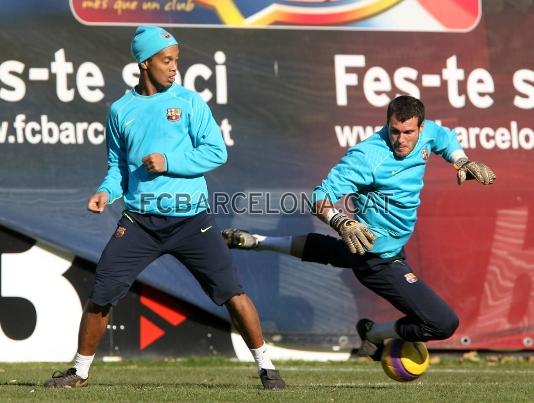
385,189
176,123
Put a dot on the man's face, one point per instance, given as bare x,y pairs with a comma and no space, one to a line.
403,136
163,66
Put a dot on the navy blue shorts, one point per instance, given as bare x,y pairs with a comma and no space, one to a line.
428,317
139,239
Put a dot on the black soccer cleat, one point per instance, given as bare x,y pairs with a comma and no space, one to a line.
271,379
239,239
367,348
67,380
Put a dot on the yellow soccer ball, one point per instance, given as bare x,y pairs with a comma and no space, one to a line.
404,361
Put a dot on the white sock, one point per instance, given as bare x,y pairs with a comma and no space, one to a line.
381,331
82,364
261,356
281,244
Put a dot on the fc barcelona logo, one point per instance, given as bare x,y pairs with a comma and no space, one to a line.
410,278
119,233
174,114
424,154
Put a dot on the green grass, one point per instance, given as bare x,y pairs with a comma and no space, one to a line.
210,379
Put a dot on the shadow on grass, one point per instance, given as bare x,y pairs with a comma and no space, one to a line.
206,386
20,384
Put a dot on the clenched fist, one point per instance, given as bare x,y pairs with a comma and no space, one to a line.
97,202
155,163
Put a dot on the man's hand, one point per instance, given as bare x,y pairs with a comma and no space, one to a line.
474,170
155,163
356,235
97,202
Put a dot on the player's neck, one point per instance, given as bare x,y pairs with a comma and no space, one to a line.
146,87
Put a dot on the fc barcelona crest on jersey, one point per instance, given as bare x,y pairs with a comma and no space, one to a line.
174,114
424,154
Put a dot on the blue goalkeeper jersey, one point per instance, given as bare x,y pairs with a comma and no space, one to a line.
176,123
384,189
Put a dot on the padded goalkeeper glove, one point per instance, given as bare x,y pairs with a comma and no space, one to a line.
474,170
356,235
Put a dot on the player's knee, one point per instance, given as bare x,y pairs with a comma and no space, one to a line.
445,327
92,307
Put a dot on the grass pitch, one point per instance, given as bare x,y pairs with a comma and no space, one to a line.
216,379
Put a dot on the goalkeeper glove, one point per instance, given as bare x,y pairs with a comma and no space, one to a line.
474,170
356,235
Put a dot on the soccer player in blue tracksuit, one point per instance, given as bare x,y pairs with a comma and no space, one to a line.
384,176
161,139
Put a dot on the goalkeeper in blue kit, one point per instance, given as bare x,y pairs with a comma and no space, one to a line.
386,172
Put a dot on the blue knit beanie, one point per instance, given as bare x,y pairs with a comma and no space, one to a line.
149,40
